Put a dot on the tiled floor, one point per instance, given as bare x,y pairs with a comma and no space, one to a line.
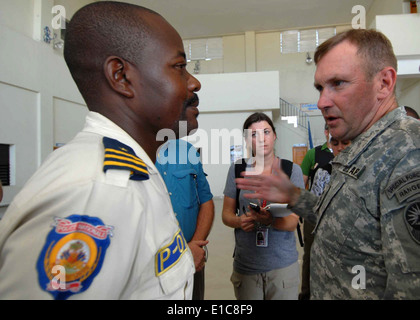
219,265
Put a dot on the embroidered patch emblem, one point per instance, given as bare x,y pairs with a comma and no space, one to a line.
412,220
398,186
72,255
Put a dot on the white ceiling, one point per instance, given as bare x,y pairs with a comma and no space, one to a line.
206,18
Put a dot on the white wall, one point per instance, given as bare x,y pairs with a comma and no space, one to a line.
287,136
19,128
217,162
39,103
220,129
239,91
69,118
383,7
405,38
18,15
226,100
406,42
296,76
409,93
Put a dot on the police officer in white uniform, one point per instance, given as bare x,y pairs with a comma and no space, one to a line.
95,221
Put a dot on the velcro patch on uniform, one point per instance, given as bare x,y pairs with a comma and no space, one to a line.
404,186
122,157
412,220
72,255
169,255
353,171
407,191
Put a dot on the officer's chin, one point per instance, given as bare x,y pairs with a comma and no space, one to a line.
192,131
192,127
192,124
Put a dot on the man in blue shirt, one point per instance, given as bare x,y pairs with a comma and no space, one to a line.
179,165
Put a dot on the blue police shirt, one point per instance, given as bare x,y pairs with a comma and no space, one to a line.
179,165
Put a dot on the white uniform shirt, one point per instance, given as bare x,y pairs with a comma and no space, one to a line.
111,237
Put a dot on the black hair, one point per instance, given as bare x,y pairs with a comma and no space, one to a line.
98,31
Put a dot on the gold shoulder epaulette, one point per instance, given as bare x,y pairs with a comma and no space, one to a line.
122,157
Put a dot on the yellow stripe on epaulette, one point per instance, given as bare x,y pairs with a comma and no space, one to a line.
125,158
124,153
122,157
125,165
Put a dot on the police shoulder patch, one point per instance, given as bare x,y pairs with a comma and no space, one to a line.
122,157
412,220
72,255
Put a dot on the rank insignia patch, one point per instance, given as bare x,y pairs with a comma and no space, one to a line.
72,255
412,220
122,157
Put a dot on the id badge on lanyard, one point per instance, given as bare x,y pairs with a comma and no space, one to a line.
261,238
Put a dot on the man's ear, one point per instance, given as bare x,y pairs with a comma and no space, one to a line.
388,80
117,72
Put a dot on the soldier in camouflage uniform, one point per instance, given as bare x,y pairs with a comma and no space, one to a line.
367,234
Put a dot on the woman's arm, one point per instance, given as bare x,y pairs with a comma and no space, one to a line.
230,218
264,217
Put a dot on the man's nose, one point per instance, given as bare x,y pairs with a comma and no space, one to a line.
193,84
324,100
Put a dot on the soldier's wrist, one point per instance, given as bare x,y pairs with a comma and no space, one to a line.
294,196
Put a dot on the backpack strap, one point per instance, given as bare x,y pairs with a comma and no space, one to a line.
287,167
239,167
299,232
